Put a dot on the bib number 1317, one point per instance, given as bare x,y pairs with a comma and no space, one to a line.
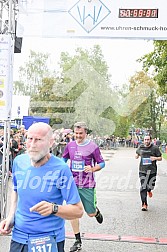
42,244
43,248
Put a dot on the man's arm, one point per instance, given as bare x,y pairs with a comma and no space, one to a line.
137,153
7,224
156,158
157,155
98,160
68,212
96,168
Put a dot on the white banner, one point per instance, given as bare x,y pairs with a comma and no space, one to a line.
144,19
5,77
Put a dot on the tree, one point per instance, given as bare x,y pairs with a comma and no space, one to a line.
83,83
31,74
122,122
150,114
156,61
46,103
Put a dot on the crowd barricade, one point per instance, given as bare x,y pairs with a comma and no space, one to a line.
106,144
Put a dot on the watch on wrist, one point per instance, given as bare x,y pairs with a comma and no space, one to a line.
54,208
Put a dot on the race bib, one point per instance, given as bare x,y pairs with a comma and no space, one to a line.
42,244
78,166
146,161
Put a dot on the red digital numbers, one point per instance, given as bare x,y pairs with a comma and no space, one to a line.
135,13
148,13
138,13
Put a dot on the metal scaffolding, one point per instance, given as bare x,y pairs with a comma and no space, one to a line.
8,11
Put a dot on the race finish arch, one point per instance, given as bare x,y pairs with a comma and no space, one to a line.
144,19
139,19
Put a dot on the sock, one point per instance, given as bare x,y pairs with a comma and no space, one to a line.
97,213
78,237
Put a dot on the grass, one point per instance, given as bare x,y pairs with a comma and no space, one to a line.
164,155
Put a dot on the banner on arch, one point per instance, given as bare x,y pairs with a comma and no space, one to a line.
93,18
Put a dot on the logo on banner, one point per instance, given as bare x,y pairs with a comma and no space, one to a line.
89,14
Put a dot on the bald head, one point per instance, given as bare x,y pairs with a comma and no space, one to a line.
42,128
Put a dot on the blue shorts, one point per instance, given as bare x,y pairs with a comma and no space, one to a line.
18,247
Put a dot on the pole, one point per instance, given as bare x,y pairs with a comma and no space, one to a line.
7,35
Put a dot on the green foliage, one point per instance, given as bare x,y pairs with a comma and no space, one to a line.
157,60
164,131
46,103
78,86
82,92
88,89
151,113
31,74
34,80
122,123
164,155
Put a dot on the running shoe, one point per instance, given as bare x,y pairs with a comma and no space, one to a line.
144,207
99,216
76,246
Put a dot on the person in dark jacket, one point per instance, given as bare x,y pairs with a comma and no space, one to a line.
149,154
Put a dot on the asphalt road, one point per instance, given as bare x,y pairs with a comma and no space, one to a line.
125,228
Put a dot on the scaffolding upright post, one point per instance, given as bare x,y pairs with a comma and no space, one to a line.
7,37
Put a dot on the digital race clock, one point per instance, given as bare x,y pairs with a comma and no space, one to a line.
138,13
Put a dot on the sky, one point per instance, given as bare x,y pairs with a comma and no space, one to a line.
120,54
